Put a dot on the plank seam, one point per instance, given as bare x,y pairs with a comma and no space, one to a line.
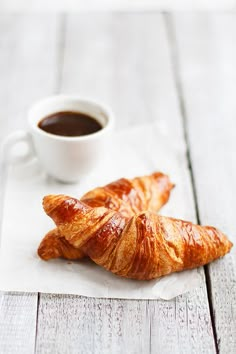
36,327
209,293
150,326
180,95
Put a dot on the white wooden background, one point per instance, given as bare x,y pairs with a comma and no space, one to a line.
179,68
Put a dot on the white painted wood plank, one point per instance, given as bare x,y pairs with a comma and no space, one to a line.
28,59
28,49
87,325
124,60
182,325
17,322
207,57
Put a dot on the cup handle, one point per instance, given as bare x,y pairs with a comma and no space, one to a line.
10,156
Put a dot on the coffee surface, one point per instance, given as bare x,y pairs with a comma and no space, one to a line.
69,124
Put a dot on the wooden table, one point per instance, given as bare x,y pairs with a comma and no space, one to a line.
180,68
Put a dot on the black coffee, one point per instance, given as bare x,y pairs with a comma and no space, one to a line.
69,124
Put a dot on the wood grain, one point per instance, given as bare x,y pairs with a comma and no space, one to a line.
28,47
87,325
124,59
182,325
17,322
207,56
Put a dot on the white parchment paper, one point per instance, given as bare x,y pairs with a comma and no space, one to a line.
136,152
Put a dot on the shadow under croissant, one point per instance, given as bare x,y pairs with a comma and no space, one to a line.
107,285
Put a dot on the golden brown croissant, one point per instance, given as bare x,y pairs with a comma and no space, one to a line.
124,195
145,246
132,196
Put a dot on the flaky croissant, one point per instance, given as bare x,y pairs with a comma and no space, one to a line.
145,246
126,196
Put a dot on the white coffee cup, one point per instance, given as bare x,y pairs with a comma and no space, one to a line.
67,159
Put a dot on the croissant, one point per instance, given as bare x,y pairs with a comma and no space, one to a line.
126,196
145,246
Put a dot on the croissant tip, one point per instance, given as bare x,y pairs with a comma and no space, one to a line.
51,201
42,256
49,246
45,254
42,251
166,177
